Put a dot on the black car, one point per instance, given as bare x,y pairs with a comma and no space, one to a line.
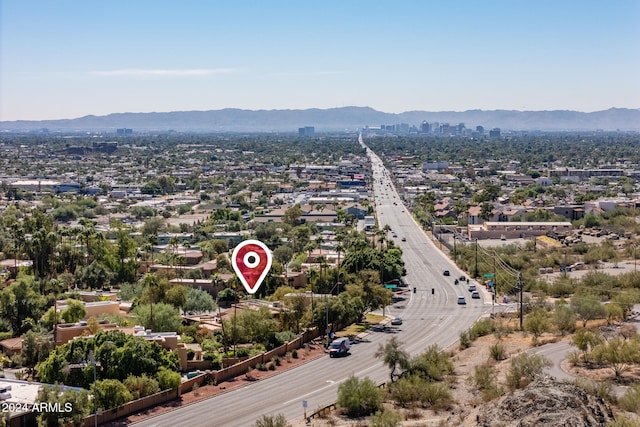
462,278
446,273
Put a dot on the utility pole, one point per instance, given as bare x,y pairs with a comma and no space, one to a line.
521,288
475,275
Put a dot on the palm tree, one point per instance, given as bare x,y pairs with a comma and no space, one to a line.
319,241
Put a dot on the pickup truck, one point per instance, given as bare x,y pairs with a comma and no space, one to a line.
339,347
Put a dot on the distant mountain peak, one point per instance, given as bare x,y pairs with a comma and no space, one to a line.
334,119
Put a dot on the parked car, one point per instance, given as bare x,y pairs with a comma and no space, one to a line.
446,273
396,321
475,295
461,300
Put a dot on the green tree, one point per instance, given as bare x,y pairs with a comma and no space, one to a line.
141,386
19,301
35,348
360,397
292,215
393,356
161,317
177,296
585,340
564,319
75,406
537,323
74,312
198,301
168,379
126,254
587,308
96,275
111,394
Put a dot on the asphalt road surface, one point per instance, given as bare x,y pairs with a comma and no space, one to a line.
431,315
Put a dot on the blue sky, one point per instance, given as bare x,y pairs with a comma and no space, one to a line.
67,59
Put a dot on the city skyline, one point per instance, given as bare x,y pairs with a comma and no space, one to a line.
70,59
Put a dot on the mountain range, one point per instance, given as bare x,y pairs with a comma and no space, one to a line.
334,119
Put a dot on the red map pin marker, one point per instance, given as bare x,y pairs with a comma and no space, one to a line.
251,261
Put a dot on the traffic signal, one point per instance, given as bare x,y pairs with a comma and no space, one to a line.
433,291
414,289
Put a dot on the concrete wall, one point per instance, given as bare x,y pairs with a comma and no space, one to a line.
132,407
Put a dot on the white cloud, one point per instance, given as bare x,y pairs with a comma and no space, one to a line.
163,73
308,74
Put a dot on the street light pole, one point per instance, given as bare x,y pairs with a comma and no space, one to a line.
95,401
326,311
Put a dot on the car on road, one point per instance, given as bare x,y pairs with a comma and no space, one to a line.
475,295
472,288
446,273
339,347
463,278
462,301
404,239
396,321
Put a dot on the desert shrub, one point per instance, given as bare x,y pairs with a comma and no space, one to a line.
485,379
360,397
271,367
405,391
574,358
624,421
433,365
602,389
465,342
481,328
434,395
498,352
385,418
243,352
278,420
630,401
525,368
276,360
262,367
294,354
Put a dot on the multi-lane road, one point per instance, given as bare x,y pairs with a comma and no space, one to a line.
431,315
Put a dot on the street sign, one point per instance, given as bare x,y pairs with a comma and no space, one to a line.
487,275
392,287
304,404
